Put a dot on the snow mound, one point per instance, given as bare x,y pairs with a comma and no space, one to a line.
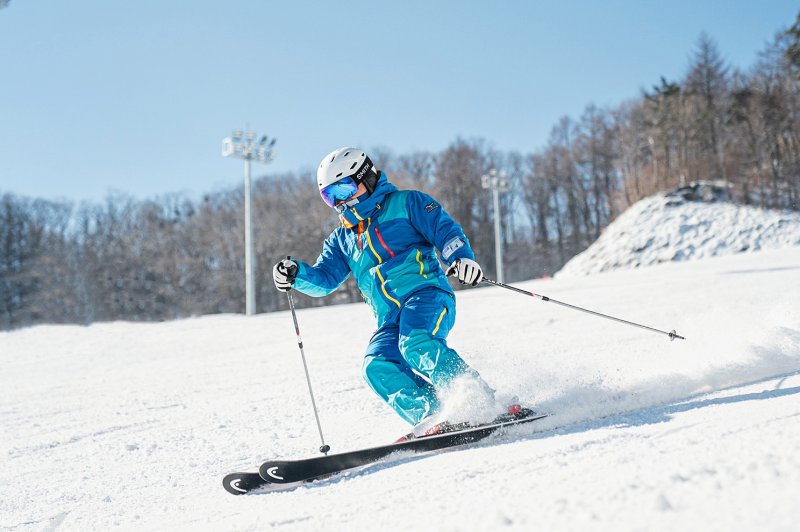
666,228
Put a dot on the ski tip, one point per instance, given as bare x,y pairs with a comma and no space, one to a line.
233,484
241,483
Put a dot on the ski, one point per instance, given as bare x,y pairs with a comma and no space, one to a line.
279,475
241,483
290,472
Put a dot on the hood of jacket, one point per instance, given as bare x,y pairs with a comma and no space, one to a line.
368,207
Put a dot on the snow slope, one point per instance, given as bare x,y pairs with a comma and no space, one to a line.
657,230
132,426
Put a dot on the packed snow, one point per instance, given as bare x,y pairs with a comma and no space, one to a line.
132,426
667,228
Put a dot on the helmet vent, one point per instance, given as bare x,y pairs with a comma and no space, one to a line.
332,158
353,165
346,154
339,174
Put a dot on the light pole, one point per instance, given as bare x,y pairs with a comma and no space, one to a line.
244,146
498,183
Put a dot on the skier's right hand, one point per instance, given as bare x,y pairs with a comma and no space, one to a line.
467,271
284,273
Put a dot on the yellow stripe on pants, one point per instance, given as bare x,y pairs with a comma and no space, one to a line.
439,321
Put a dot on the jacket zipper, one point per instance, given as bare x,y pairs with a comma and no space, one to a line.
358,237
380,239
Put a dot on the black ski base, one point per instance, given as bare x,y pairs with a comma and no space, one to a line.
277,475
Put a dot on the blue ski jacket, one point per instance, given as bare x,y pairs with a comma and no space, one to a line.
387,241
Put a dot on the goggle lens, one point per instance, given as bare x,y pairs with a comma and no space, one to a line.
338,191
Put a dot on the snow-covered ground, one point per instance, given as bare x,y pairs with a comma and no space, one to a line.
132,426
664,228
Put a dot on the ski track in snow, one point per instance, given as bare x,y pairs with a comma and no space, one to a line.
132,426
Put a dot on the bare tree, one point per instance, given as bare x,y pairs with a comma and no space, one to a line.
707,87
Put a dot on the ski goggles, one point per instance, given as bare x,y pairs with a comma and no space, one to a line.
338,191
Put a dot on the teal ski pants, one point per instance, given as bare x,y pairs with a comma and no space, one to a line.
408,359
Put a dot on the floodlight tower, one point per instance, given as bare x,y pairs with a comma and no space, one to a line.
244,146
498,183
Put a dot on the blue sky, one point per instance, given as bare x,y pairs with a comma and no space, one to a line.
99,96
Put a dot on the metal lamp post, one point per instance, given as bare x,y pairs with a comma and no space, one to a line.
244,146
498,183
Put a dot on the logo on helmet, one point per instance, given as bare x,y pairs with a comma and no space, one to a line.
363,171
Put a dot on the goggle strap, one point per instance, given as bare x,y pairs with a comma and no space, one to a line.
363,170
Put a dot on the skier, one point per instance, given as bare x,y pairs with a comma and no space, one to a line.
386,238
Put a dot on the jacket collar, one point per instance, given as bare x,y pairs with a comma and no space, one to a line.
369,207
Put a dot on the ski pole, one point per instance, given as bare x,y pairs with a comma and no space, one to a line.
325,448
672,334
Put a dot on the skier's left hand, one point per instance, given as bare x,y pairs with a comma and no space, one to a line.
467,271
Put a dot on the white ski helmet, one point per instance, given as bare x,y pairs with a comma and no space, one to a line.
341,164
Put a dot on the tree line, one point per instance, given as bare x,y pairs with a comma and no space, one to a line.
176,256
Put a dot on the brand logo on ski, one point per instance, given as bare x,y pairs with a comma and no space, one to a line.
273,472
235,485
